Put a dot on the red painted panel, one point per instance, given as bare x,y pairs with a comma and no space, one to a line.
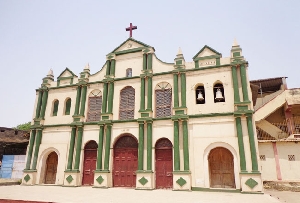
164,168
90,158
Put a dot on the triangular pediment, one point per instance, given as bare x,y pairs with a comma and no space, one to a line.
130,44
207,51
66,73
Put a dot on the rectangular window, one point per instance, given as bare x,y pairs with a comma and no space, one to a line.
262,157
291,157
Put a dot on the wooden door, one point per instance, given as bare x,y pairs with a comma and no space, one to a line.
125,162
221,168
51,168
89,163
163,164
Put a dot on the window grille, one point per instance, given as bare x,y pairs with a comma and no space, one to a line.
262,157
94,108
163,102
127,103
291,157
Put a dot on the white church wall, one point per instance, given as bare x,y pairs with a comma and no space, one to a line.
159,66
133,61
268,166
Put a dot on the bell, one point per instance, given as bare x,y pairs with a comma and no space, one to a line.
219,95
200,96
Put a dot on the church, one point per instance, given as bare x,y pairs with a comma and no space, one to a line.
146,124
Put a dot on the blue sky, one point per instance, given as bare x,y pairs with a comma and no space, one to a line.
38,35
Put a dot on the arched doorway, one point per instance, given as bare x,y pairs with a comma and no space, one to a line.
221,168
125,161
51,168
164,163
89,163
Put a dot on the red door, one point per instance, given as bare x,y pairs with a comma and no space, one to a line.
125,162
221,168
163,164
51,168
89,164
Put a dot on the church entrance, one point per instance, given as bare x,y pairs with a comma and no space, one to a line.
221,171
163,164
89,164
51,168
125,162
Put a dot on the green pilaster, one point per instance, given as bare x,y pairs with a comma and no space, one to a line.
83,100
29,153
100,148
241,144
78,147
149,101
107,147
113,67
252,144
149,60
235,85
104,102
186,146
244,83
196,64
149,145
38,106
110,97
44,104
37,148
141,147
144,61
142,105
183,90
175,78
77,100
71,149
176,147
107,67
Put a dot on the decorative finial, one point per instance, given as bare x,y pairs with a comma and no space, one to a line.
179,51
235,43
87,66
50,72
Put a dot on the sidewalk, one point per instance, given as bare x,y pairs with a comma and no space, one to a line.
118,195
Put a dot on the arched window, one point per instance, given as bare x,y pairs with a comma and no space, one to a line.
163,100
200,95
219,92
128,72
94,106
127,102
67,106
55,108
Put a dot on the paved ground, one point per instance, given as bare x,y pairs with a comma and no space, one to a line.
285,196
121,195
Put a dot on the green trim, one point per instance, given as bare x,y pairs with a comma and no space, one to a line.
100,149
71,149
110,97
67,69
150,92
104,102
107,147
183,90
252,144
244,82
210,115
215,190
38,106
44,104
179,112
83,100
144,61
162,61
37,148
181,172
208,47
113,67
186,146
144,115
149,62
55,108
78,148
141,147
78,95
149,146
175,92
29,153
107,67
207,57
176,146
235,54
241,144
142,104
124,121
235,85
218,62
134,40
129,51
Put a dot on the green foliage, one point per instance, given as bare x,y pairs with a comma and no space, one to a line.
25,126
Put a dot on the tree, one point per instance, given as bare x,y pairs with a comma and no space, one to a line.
24,126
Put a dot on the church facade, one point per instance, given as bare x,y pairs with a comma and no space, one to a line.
145,124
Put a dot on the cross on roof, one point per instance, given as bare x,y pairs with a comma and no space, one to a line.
130,28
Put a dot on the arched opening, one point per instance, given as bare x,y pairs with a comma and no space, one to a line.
164,163
221,168
127,103
51,168
94,106
68,106
89,163
219,92
125,161
55,108
163,100
200,94
128,72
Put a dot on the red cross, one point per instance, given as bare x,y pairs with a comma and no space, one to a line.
130,28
